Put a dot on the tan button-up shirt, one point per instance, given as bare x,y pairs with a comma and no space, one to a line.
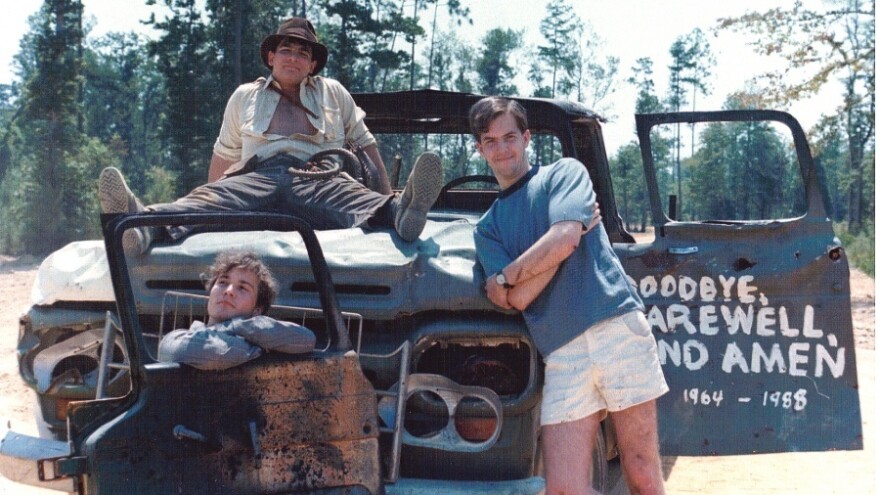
250,109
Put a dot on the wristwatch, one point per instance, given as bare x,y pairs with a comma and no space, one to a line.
501,280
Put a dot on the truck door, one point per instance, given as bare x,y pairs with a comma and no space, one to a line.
279,424
745,285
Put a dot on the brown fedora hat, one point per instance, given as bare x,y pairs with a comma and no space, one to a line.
300,29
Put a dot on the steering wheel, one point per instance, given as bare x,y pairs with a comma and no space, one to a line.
443,196
321,166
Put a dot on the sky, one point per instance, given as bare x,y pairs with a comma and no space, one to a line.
630,29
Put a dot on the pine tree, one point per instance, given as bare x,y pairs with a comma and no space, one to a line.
52,203
560,26
187,59
493,63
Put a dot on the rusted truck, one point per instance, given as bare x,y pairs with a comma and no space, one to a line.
421,385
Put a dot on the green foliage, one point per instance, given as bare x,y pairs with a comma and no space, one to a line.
357,35
124,102
186,58
51,93
559,54
596,79
629,187
153,107
841,183
742,171
11,222
643,79
829,152
692,61
42,214
739,171
160,186
677,96
52,157
7,116
818,46
493,63
452,64
711,175
372,43
569,63
859,247
826,43
234,31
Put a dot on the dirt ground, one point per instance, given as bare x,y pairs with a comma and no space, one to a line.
852,472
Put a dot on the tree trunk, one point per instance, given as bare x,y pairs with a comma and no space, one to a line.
236,41
856,148
412,55
431,55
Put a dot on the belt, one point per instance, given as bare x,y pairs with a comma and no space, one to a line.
285,160
254,163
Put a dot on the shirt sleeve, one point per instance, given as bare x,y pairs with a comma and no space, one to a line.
491,253
274,335
206,348
229,142
352,116
570,192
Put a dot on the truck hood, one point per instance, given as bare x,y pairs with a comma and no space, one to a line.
374,271
77,272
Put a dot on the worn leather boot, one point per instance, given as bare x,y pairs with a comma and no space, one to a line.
115,197
420,193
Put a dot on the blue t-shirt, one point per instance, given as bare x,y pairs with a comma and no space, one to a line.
590,286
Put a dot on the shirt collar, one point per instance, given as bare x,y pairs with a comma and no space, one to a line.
309,81
519,184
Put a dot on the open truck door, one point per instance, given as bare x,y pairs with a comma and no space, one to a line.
746,288
278,424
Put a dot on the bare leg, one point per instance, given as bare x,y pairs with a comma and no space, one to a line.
636,429
568,455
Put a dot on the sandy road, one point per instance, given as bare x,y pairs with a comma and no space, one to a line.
843,473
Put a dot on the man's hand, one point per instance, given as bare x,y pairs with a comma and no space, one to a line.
530,284
383,186
218,167
497,293
521,296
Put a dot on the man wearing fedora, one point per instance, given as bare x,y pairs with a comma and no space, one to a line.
280,121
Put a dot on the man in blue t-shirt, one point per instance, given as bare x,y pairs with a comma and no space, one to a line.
547,255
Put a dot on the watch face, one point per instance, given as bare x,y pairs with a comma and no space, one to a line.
500,279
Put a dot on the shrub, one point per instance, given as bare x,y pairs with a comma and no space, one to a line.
859,248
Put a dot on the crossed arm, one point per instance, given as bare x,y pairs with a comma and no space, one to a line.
534,269
233,342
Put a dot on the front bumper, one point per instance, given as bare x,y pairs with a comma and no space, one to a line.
30,461
411,486
25,459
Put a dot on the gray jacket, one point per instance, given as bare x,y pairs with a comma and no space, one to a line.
233,342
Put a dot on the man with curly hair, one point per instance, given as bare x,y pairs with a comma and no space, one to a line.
241,290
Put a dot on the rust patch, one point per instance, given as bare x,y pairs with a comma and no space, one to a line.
314,427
